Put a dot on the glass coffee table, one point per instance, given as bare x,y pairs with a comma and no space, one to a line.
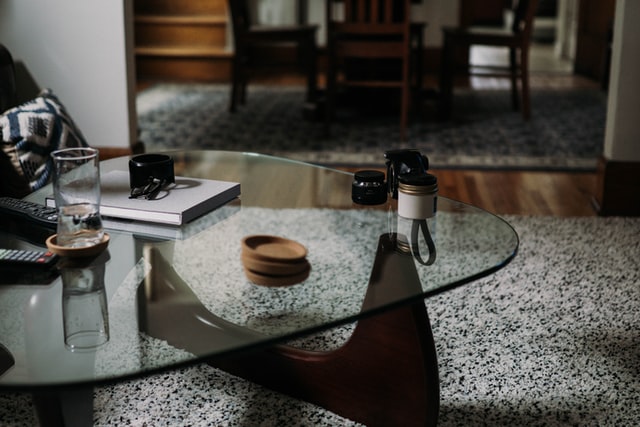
179,296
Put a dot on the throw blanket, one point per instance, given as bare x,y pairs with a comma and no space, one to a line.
31,131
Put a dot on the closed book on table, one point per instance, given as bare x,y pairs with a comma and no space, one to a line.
175,204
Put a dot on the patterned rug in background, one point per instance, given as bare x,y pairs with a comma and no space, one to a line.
566,131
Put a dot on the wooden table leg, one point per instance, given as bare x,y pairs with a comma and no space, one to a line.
385,374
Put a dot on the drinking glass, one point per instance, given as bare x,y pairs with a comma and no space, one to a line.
76,188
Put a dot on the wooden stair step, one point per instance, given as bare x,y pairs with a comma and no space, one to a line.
182,39
181,19
182,30
184,68
184,51
180,7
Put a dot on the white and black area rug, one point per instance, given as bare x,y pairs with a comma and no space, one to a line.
552,339
566,131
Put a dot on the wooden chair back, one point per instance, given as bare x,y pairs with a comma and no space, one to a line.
370,28
363,30
251,40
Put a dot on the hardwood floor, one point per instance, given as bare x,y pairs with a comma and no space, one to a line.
561,194
521,193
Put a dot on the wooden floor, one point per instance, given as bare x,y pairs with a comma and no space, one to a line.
520,193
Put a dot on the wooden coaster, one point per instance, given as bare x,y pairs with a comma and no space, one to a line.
273,248
77,252
277,281
274,268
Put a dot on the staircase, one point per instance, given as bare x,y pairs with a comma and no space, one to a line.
182,40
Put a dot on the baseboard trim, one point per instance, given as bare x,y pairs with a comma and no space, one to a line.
617,188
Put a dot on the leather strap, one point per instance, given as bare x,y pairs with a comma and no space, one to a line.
416,226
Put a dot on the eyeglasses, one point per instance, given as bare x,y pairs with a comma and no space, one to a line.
148,191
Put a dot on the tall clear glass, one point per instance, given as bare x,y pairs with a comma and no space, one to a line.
76,188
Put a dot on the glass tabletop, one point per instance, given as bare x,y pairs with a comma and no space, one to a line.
179,295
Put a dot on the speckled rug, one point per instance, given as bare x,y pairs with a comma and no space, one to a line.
565,133
552,339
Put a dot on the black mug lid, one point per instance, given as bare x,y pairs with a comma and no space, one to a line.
369,176
418,180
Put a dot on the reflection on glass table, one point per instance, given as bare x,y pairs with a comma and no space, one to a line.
180,296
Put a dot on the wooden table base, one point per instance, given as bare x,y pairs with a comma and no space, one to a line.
385,374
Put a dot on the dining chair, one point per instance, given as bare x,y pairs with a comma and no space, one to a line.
372,44
516,39
250,41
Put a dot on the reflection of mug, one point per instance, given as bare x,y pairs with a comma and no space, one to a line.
84,305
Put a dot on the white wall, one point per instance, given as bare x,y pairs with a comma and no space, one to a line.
82,50
622,136
436,14
565,45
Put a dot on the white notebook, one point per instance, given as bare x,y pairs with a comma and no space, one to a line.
177,204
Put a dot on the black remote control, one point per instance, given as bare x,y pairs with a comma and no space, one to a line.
24,211
19,258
